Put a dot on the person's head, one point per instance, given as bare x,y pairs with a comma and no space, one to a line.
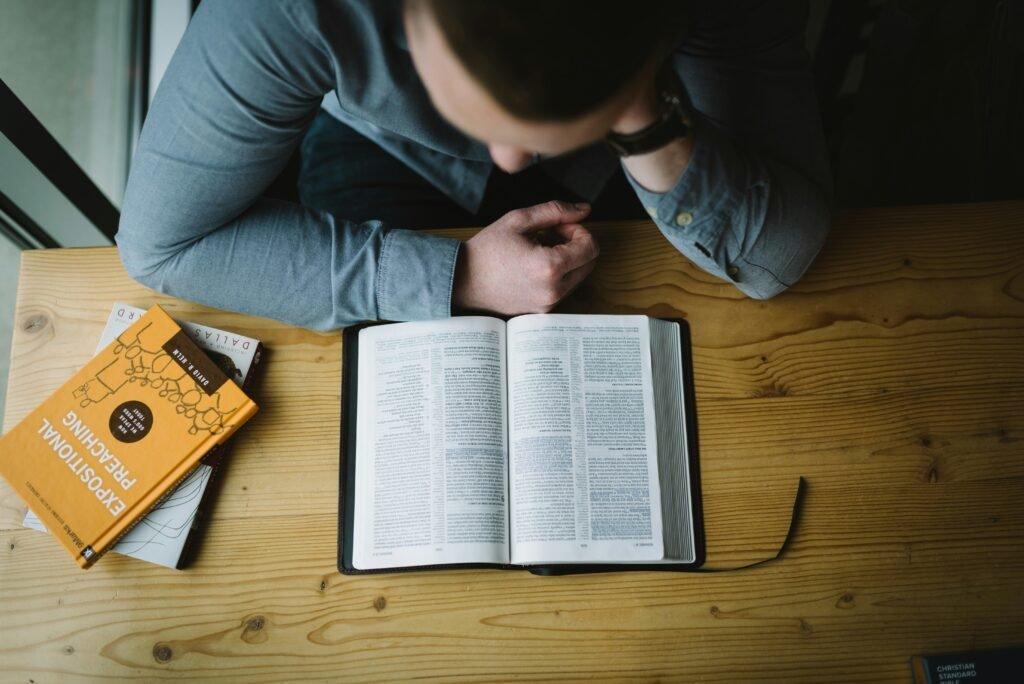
538,76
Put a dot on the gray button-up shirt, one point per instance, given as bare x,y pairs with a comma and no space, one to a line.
249,76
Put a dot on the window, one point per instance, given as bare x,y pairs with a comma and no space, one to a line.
76,77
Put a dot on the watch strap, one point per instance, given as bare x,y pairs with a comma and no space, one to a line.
673,124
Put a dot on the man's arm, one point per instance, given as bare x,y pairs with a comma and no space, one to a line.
239,93
747,197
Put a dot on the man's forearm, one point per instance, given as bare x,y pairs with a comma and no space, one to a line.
287,262
748,219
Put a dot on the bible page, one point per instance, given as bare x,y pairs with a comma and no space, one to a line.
431,449
583,471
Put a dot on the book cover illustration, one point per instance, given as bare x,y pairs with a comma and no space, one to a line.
139,355
161,536
98,453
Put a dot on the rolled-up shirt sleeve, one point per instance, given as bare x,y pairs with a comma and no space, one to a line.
240,91
753,204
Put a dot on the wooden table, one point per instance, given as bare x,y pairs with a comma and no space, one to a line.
892,377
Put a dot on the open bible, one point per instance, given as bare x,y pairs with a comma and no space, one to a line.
558,442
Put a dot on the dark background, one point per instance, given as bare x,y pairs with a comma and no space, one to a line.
922,100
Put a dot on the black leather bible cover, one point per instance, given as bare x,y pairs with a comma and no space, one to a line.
347,476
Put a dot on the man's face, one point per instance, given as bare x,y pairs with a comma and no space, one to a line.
466,105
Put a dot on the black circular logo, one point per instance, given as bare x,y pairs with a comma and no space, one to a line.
131,421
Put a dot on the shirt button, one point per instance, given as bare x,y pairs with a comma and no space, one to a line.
652,211
732,271
684,218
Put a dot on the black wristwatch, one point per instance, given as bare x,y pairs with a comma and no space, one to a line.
673,124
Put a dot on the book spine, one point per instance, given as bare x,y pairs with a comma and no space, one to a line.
919,667
223,451
220,451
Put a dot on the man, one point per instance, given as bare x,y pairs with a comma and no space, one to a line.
440,111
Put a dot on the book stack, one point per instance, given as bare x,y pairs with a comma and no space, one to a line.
122,457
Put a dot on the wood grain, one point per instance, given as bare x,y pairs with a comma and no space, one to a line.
891,376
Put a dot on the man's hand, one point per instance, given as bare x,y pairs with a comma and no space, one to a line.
526,261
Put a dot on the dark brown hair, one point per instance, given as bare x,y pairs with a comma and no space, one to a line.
556,59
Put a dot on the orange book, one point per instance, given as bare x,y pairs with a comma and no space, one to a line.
103,449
